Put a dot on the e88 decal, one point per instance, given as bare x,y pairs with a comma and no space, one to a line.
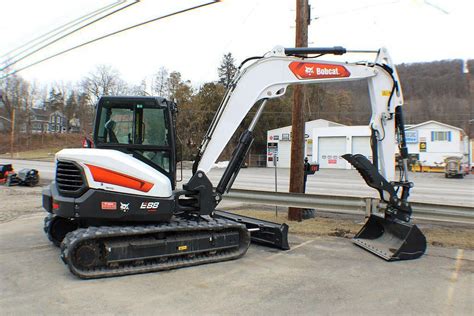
149,205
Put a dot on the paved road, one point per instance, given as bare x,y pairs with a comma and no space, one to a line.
430,188
318,276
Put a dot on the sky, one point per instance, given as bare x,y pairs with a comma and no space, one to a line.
194,43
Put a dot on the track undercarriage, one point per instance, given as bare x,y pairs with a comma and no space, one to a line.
105,251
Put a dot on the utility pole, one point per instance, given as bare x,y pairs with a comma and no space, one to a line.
297,120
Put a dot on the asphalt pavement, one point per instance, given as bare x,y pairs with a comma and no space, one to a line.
324,275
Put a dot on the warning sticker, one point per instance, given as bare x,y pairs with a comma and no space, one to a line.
108,206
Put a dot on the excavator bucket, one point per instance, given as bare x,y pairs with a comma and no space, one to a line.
391,240
391,237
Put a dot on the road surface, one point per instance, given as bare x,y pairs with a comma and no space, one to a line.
429,187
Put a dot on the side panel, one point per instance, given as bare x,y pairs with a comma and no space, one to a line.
116,206
120,166
102,205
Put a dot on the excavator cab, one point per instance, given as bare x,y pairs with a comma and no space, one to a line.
142,127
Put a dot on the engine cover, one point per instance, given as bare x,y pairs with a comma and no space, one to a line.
115,171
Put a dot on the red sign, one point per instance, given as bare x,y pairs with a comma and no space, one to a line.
314,168
304,70
109,206
332,161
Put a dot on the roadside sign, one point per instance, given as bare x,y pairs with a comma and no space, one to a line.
422,147
411,137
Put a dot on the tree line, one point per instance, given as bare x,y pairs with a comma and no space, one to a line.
441,91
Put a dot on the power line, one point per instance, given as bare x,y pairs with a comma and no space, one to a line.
108,35
59,28
67,34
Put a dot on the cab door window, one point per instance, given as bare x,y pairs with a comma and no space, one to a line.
116,126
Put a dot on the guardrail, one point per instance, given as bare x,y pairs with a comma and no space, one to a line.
350,205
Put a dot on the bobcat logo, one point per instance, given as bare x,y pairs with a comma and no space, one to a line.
124,207
309,70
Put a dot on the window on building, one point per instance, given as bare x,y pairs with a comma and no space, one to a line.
439,136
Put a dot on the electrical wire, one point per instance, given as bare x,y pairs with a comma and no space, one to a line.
67,34
108,35
58,30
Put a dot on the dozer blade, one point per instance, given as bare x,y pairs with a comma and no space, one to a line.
391,240
261,232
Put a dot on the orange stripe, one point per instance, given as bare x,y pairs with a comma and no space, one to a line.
108,176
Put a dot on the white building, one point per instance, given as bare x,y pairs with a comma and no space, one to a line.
279,142
429,142
433,141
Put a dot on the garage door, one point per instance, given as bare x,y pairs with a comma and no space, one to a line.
330,150
361,145
284,154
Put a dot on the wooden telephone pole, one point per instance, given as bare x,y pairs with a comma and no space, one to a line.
297,120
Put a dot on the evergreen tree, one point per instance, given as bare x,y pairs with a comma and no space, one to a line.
71,106
227,70
55,101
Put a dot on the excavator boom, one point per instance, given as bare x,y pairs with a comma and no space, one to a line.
269,77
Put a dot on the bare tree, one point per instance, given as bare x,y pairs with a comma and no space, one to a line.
16,95
139,89
160,82
104,80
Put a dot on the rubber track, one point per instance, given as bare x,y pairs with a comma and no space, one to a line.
75,238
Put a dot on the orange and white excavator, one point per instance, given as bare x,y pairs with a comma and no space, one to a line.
115,209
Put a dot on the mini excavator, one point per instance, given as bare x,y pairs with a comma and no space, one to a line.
115,209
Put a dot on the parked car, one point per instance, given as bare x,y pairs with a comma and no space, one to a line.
455,167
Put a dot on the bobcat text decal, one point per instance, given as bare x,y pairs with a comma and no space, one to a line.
304,70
